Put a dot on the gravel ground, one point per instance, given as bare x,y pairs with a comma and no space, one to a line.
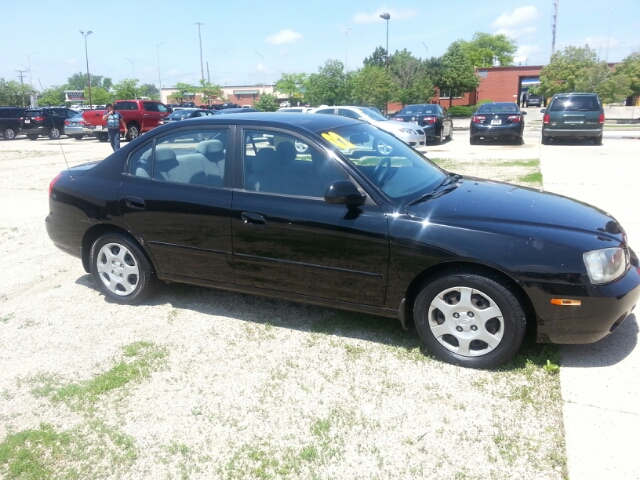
199,383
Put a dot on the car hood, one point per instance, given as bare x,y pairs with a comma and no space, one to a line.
479,204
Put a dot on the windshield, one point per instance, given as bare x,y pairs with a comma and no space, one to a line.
374,115
577,103
392,165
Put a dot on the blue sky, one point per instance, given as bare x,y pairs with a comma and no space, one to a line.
252,41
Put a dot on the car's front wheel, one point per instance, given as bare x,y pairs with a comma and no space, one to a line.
121,270
469,320
9,133
32,136
77,137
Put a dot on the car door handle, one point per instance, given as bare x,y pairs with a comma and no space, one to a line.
254,219
136,203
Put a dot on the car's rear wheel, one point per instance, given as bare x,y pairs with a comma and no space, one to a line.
520,140
54,133
450,136
473,141
9,133
32,136
469,320
121,270
545,140
132,132
437,140
102,137
597,140
77,137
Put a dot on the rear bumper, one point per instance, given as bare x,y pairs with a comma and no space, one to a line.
35,131
492,131
571,132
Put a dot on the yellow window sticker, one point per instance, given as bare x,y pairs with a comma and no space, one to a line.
338,141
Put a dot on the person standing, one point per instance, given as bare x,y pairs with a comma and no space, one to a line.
525,97
114,120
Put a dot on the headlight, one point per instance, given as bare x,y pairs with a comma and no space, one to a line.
409,131
605,265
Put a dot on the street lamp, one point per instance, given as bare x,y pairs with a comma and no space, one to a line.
346,50
33,97
425,46
158,56
132,67
386,17
86,54
263,72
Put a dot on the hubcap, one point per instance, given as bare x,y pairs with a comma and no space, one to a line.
118,269
383,148
466,321
9,134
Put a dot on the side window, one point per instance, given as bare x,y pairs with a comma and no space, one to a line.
329,111
348,113
162,107
150,106
282,164
195,156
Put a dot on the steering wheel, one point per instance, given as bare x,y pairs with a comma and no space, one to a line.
382,172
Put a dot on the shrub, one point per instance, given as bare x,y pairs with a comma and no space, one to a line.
466,110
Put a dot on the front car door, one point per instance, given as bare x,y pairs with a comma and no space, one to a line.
287,238
176,197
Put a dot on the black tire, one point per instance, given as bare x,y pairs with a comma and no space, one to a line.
132,132
103,137
520,140
469,320
597,140
473,141
32,136
438,139
9,133
450,136
121,270
77,137
54,133
545,140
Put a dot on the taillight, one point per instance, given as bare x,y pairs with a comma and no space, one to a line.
546,118
66,122
514,118
399,119
37,119
429,120
601,118
478,119
55,179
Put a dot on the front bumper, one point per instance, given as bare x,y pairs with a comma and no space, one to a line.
413,140
35,131
603,309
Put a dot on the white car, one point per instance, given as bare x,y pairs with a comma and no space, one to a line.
410,134
294,109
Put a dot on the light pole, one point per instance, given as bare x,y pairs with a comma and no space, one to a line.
132,67
158,56
425,46
200,38
346,50
33,97
386,17
86,54
263,73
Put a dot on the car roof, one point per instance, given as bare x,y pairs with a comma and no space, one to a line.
299,121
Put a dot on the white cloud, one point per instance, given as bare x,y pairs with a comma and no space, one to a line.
363,17
527,54
515,32
520,16
284,36
600,42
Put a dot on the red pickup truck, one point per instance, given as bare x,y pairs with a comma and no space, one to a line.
139,116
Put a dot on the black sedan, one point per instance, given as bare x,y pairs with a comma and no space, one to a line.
498,120
344,224
434,120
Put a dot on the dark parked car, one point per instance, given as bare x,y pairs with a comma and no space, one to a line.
226,111
185,113
434,120
534,100
472,262
45,121
498,120
10,121
573,115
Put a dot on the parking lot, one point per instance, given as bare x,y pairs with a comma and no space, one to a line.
236,386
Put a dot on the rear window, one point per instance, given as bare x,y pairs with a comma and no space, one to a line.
419,110
33,113
575,104
498,108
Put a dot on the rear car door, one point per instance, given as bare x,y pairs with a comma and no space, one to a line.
175,196
287,238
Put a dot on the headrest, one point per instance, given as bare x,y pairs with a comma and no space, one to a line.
209,146
286,152
265,161
165,159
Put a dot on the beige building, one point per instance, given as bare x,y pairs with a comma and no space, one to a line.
240,94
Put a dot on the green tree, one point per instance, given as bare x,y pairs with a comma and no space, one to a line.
329,86
99,96
127,89
78,81
456,74
149,90
210,91
291,85
566,70
182,91
371,85
378,57
483,47
409,75
14,93
630,67
267,102
52,96
615,88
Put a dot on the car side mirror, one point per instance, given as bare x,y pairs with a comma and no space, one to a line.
543,110
343,192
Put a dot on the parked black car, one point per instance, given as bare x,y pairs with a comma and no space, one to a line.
434,120
573,115
45,121
185,113
472,262
498,120
10,121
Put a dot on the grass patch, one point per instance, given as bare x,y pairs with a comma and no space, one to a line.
6,318
518,172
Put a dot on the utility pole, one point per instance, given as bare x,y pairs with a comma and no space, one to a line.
386,16
33,97
346,50
554,24
158,58
21,75
200,38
